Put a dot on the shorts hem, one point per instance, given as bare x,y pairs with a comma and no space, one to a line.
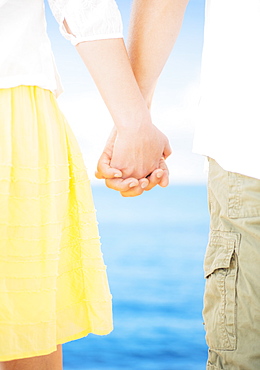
212,367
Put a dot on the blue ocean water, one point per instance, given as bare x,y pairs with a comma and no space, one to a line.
153,246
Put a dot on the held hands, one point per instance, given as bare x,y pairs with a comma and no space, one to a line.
134,160
136,149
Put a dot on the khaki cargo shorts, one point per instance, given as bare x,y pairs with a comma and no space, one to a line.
232,271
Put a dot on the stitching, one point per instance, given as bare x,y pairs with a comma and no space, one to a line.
87,301
35,198
30,277
27,323
84,268
32,239
12,179
234,194
29,291
4,259
34,168
64,308
32,225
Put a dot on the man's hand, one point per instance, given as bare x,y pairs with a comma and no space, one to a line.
137,152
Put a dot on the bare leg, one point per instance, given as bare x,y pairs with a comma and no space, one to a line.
53,361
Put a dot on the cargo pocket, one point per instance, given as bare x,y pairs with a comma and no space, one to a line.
221,267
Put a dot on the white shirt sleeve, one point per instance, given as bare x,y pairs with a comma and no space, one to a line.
88,19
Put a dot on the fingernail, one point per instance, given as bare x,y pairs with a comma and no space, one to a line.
143,185
132,185
117,175
159,175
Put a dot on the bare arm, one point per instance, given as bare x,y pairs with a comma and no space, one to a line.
108,64
154,28
139,145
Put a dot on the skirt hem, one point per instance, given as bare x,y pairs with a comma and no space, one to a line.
67,339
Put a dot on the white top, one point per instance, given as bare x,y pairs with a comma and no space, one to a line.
228,127
25,52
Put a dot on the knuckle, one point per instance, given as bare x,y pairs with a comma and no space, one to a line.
137,192
109,184
131,193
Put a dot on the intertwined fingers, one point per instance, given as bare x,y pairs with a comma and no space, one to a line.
159,176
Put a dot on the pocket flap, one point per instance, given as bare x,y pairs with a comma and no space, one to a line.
219,251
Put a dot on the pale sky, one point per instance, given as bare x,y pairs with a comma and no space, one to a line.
174,104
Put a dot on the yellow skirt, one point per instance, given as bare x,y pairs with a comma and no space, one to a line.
53,282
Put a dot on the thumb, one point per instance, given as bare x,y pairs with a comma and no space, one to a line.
167,150
104,170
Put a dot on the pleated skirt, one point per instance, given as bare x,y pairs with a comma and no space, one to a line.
53,281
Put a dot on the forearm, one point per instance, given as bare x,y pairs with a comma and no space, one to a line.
154,28
109,65
139,145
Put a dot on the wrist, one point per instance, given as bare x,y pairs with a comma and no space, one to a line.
147,93
133,120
